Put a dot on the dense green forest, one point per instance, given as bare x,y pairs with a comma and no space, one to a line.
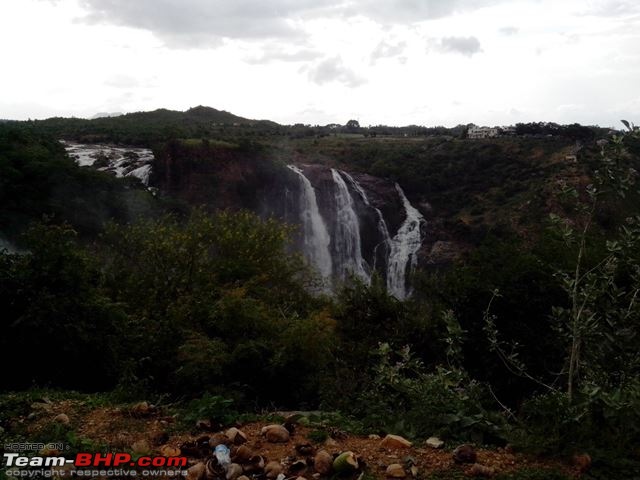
529,339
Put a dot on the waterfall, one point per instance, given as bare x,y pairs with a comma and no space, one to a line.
347,245
382,225
404,248
337,251
315,235
143,173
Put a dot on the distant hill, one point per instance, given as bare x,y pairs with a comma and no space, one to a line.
148,128
106,115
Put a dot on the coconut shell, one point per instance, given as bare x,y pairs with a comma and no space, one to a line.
434,442
196,472
272,469
141,447
62,418
395,470
346,462
242,454
465,454
213,471
142,409
305,449
276,434
169,451
297,467
478,470
234,471
582,461
219,439
238,437
395,442
159,438
323,462
255,465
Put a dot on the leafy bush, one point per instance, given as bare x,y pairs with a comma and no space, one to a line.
210,407
595,420
52,305
404,398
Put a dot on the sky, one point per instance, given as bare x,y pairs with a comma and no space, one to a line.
393,62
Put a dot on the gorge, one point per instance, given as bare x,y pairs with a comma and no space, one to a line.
348,224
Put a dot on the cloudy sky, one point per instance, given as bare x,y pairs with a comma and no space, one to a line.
396,62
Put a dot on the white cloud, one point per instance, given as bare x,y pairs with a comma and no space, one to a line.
389,50
296,60
334,70
467,46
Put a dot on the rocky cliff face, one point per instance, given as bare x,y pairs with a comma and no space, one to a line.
347,223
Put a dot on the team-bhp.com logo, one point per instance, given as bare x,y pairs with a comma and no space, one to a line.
17,465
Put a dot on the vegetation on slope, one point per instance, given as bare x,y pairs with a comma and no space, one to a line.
187,305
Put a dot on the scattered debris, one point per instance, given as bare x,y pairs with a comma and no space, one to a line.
117,428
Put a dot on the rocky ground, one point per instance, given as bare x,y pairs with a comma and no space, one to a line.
279,447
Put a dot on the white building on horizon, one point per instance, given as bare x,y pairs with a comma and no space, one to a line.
482,132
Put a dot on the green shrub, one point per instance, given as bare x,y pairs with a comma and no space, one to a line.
404,398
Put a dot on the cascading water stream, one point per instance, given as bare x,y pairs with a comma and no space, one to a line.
382,225
315,235
404,248
347,245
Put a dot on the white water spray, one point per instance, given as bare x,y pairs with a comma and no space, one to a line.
347,245
404,249
315,235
